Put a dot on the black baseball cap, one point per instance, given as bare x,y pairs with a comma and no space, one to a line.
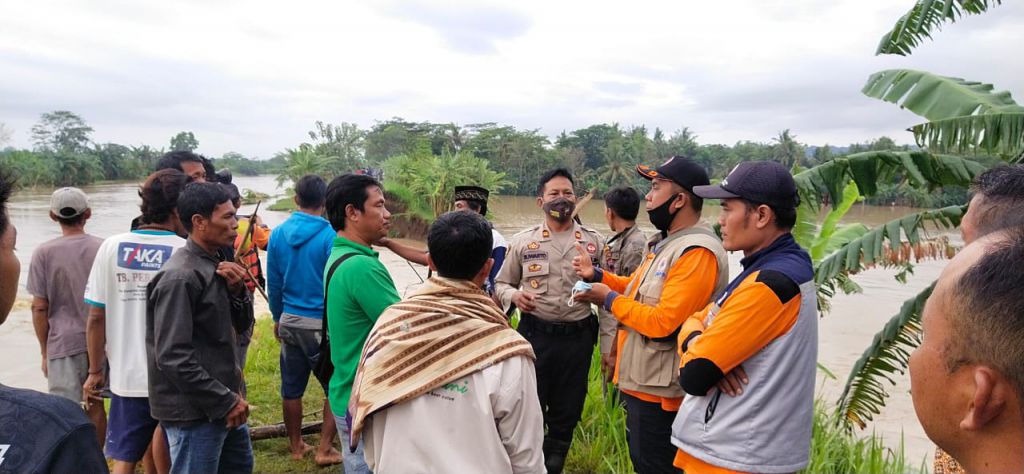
678,169
762,182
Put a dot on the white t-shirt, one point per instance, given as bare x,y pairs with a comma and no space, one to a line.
499,240
124,264
489,421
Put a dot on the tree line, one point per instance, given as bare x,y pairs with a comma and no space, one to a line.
428,159
64,154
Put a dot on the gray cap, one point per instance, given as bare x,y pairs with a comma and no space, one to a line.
68,202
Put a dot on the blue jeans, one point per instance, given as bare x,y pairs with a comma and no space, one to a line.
352,463
208,447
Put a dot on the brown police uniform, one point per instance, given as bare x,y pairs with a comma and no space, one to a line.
539,261
621,255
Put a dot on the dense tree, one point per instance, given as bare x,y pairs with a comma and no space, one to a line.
787,151
184,141
61,131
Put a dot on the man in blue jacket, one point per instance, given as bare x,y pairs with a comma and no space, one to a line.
296,257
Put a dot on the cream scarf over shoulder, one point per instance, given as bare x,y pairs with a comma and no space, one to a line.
445,331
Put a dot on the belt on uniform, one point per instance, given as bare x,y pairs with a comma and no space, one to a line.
559,329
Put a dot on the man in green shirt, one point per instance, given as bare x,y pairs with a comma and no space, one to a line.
359,290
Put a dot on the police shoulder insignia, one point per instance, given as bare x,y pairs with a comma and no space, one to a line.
545,234
533,246
579,235
534,267
591,248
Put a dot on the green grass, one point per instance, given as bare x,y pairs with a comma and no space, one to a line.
263,378
599,443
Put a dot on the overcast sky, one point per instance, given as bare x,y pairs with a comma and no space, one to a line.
253,76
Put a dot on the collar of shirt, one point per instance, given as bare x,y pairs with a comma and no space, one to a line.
784,241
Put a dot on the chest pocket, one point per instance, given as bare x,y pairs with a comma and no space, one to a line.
535,276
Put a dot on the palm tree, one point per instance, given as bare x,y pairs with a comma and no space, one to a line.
961,117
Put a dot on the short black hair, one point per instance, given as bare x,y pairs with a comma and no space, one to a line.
311,191
160,193
232,192
71,221
475,206
7,182
785,217
985,313
201,199
552,175
459,244
173,160
1002,203
346,189
624,201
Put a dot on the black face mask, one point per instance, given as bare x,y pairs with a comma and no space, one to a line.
660,216
560,209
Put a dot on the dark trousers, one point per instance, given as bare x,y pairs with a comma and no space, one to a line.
563,365
649,432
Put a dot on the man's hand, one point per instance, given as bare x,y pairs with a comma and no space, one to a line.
238,415
92,387
582,264
383,242
277,329
46,372
524,301
598,292
608,366
732,383
234,274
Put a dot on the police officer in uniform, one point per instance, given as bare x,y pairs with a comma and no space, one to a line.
538,278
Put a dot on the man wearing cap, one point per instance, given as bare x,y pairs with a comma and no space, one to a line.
56,279
466,198
474,198
538,278
687,265
757,343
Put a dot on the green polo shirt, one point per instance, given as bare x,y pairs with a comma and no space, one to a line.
360,290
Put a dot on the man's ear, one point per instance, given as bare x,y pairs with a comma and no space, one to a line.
763,216
351,212
198,222
540,202
992,393
680,203
430,263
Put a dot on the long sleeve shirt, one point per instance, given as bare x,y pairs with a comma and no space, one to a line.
191,321
488,422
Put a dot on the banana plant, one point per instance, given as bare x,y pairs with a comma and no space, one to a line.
926,16
962,117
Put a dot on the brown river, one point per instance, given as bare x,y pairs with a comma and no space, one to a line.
844,333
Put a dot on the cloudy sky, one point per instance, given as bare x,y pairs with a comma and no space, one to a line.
253,76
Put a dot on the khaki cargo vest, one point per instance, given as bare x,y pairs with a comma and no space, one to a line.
652,365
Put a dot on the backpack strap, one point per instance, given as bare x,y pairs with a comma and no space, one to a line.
327,285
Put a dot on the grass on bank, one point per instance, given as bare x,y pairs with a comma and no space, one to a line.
599,443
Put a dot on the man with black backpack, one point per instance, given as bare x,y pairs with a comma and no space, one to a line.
357,289
296,257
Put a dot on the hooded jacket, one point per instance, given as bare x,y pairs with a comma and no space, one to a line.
296,257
